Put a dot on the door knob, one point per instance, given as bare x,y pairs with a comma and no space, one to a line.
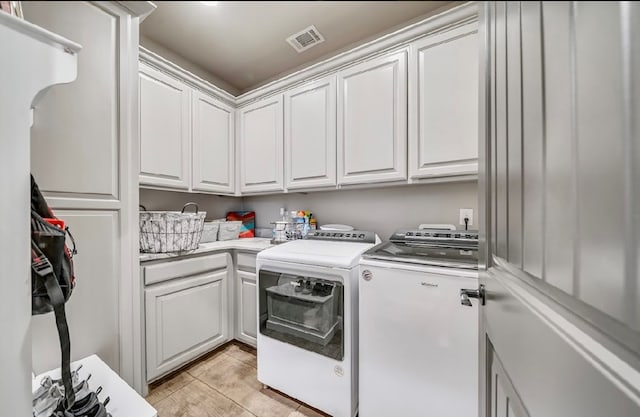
466,294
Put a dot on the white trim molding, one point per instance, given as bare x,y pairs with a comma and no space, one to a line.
439,23
139,9
168,67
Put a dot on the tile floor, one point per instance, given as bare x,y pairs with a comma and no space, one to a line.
223,384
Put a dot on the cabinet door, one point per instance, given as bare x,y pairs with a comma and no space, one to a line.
213,145
184,319
372,121
261,146
165,129
310,135
247,308
443,104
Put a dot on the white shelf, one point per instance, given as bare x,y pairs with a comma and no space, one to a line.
124,401
33,59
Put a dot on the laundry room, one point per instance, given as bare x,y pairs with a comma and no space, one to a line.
320,208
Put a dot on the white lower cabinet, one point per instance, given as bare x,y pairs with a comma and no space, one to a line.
185,317
247,308
195,304
246,299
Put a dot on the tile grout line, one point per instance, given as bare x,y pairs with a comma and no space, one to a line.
197,378
223,353
159,387
239,360
225,396
299,405
174,392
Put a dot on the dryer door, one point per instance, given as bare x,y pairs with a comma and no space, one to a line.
302,310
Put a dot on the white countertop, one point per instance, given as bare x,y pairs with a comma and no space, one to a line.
255,244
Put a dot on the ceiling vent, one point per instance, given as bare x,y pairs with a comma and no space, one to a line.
305,39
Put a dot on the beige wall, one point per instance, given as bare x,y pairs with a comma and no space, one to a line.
187,65
215,206
382,210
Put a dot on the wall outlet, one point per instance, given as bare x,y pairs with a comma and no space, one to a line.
466,213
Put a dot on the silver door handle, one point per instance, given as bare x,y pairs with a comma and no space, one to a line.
466,294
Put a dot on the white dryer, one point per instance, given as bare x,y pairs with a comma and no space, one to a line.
418,342
307,319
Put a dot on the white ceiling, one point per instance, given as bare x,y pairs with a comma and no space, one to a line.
243,42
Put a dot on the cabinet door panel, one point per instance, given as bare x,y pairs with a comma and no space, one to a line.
261,146
213,145
78,125
246,261
310,135
247,308
165,122
185,318
92,311
443,112
372,121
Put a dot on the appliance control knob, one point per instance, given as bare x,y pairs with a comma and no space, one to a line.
367,275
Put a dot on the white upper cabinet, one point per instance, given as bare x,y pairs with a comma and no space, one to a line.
165,130
213,145
261,146
372,121
310,135
443,104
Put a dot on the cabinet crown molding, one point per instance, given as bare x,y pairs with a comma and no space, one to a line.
139,9
438,23
164,65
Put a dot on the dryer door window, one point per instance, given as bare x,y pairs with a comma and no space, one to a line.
303,311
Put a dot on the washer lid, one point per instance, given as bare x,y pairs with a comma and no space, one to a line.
317,252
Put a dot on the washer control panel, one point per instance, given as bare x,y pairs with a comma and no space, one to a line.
360,236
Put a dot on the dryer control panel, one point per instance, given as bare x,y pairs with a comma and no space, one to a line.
360,236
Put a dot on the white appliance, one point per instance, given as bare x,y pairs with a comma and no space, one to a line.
418,342
307,319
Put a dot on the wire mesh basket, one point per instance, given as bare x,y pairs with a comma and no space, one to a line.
171,231
284,231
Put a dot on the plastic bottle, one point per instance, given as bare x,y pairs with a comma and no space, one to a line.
313,223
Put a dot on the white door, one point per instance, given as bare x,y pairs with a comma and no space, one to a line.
247,307
310,135
213,152
184,319
261,146
372,121
443,104
559,199
165,130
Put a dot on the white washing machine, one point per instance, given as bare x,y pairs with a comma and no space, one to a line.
418,333
307,319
